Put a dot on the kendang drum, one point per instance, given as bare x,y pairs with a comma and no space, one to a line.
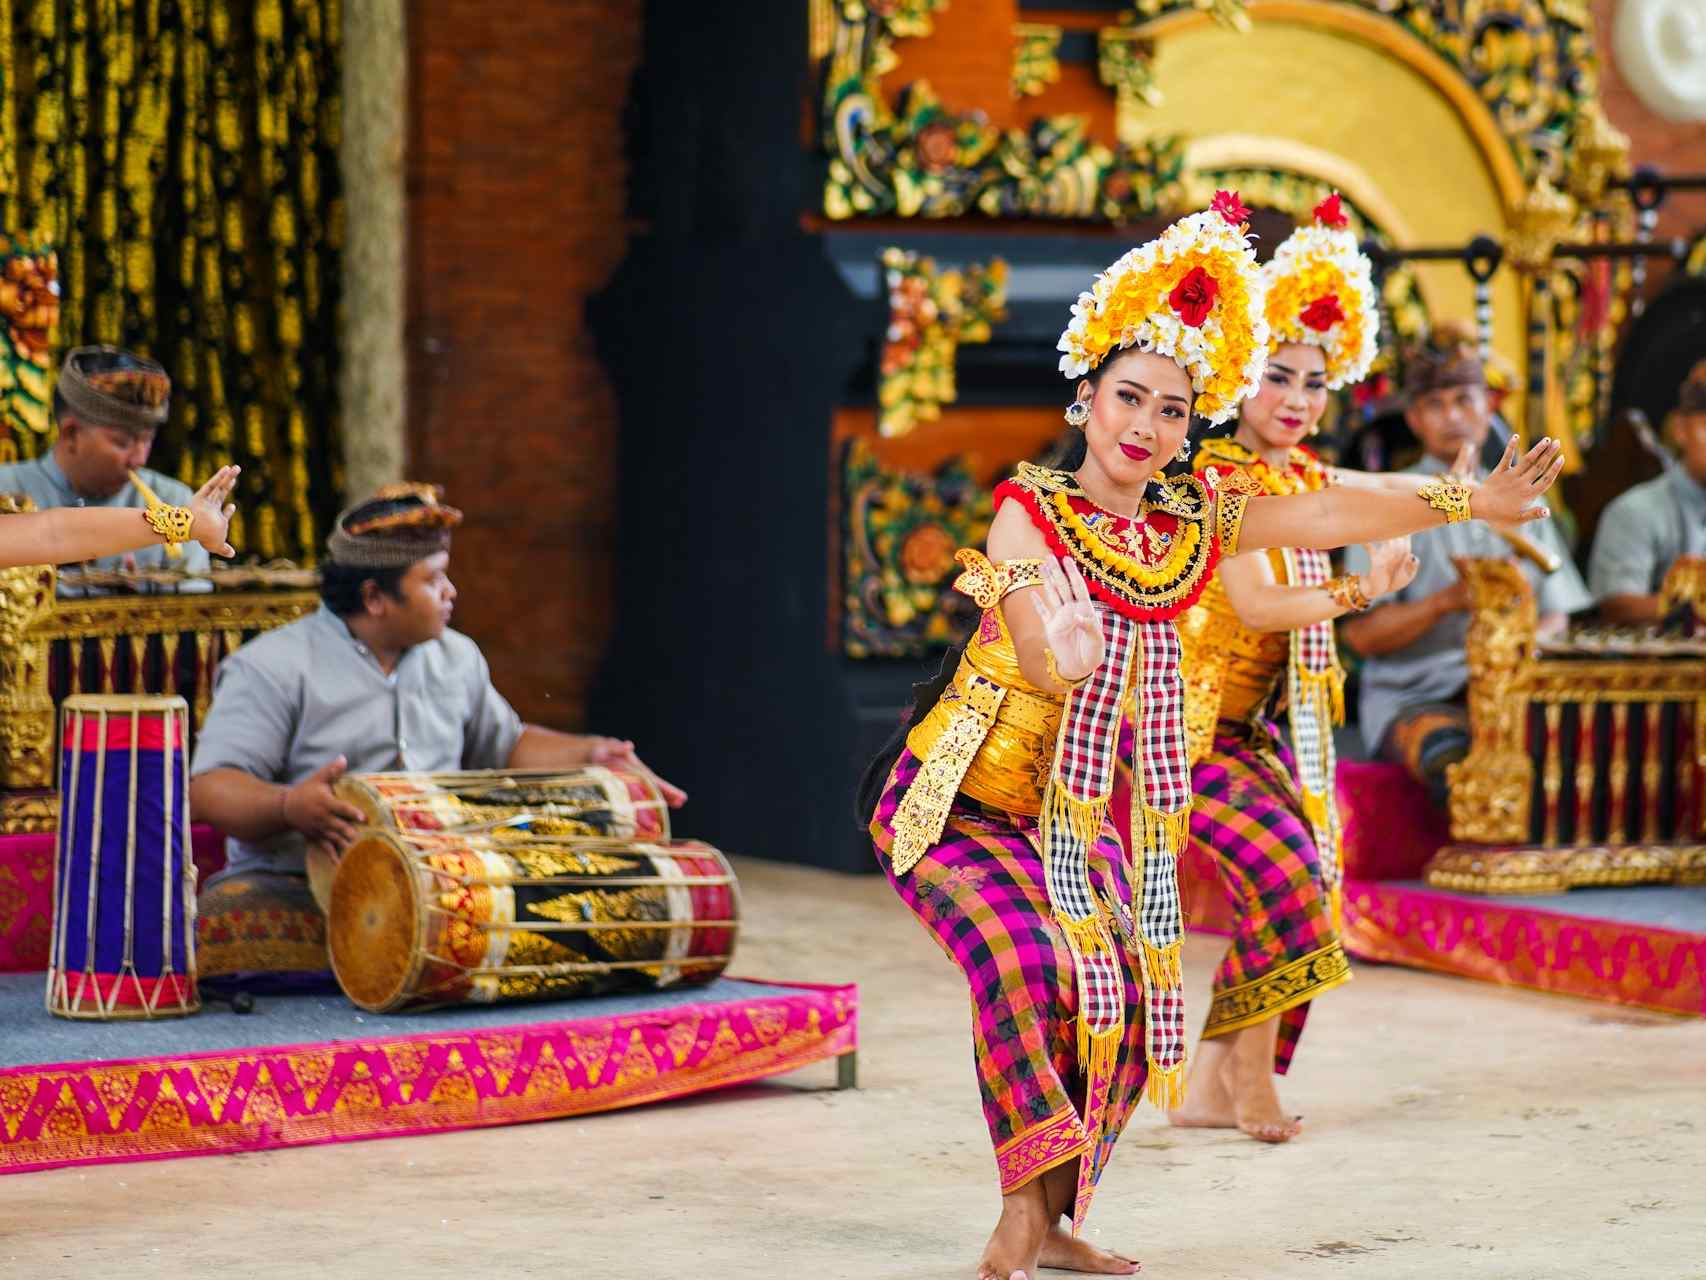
420,919
593,801
124,877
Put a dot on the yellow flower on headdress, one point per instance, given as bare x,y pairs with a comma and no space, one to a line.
1193,294
1320,292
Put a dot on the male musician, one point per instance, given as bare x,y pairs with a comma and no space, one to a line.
374,680
108,406
1415,673
1644,531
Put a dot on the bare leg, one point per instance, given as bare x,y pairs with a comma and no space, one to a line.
1208,1099
1250,1079
1011,1253
1060,1249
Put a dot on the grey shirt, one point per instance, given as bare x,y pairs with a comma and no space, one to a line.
293,700
46,485
1642,533
1434,667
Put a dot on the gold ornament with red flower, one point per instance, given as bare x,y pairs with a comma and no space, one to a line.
1193,294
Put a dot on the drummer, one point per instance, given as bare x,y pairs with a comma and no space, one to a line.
373,681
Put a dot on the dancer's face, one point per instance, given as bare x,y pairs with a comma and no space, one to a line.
1140,412
1292,398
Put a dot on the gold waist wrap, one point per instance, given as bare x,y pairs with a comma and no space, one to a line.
1013,762
1248,664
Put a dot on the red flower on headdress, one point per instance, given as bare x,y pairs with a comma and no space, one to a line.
1331,213
1322,314
1193,297
1229,206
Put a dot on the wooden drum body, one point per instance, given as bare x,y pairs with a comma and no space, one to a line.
593,801
124,879
421,919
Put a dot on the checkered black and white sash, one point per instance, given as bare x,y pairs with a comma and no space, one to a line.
1315,695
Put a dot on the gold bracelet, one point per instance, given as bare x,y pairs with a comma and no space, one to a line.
1347,593
1054,671
1447,495
173,524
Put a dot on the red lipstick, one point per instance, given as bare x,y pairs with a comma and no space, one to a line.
1135,452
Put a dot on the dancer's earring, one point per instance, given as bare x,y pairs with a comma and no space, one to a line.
1184,454
1078,414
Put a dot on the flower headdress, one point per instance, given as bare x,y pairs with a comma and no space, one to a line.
1194,294
1320,291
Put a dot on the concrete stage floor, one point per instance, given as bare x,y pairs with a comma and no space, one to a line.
1454,1130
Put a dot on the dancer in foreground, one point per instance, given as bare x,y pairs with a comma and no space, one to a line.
990,816
1262,636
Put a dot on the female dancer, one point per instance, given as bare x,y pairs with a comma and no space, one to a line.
991,819
1262,633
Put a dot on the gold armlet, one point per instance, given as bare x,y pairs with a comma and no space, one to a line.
1054,671
1229,520
173,524
1447,495
1347,593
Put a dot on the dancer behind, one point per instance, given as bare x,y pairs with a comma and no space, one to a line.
990,817
1262,634
1644,531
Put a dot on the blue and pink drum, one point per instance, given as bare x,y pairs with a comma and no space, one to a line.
124,877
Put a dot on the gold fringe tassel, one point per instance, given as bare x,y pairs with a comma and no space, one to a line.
1166,830
1325,691
1087,937
1164,966
1083,818
1166,1087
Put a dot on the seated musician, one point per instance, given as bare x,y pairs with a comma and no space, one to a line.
108,405
1415,671
373,681
1643,532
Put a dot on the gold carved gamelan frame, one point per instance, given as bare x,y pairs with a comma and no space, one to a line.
106,644
1565,784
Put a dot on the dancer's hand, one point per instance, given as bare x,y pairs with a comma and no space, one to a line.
1507,496
213,511
1391,567
1464,467
1070,622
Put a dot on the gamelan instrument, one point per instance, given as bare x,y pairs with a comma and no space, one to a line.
1587,759
592,801
431,918
124,879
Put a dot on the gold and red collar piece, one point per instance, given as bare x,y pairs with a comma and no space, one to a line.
1152,567
1304,472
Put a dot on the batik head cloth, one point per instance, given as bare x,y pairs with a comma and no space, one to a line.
396,527
109,387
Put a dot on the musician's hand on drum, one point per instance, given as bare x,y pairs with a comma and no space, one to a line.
1391,567
314,809
617,753
1508,495
1070,622
213,510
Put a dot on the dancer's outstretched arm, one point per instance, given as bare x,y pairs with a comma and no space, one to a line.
67,535
1263,603
1341,515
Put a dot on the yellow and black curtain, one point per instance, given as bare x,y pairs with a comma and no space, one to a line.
181,156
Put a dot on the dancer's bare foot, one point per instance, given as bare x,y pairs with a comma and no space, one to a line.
1066,1252
1250,1080
1011,1253
1208,1100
